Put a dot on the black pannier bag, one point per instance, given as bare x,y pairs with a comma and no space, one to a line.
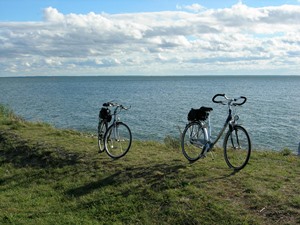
105,114
197,114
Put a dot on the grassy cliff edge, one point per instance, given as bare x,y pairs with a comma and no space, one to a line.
55,176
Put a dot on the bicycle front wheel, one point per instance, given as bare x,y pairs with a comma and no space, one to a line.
192,141
102,127
117,140
237,148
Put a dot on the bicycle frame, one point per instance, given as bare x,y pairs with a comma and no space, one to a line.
207,132
115,113
117,119
229,118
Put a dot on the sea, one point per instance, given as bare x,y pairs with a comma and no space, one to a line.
159,104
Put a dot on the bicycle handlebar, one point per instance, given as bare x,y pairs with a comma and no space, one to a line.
242,103
229,100
112,104
217,95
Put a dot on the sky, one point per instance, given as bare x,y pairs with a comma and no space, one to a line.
149,37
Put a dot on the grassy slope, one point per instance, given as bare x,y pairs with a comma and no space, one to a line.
51,176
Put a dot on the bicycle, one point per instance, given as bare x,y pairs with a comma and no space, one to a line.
197,134
114,139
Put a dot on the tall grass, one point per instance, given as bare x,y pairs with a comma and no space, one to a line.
5,111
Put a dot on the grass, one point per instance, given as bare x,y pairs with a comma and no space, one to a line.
52,176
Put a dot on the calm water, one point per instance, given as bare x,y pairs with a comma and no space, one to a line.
159,105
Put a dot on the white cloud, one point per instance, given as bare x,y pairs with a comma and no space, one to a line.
52,15
194,7
236,40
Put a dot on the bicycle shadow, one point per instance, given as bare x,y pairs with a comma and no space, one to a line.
151,174
221,177
154,176
22,153
86,189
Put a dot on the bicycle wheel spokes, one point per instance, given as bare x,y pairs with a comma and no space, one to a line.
192,141
237,148
118,140
102,127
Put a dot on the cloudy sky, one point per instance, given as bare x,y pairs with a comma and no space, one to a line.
149,37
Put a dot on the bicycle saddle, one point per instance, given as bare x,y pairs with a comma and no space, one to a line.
206,109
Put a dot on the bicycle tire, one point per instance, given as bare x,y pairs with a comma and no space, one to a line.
117,142
192,141
237,147
102,128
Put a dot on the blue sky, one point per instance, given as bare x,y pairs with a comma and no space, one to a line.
149,37
32,10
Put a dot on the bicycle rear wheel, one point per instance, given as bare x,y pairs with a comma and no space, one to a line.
237,148
102,127
192,141
117,140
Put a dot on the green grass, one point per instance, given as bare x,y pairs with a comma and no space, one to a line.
52,176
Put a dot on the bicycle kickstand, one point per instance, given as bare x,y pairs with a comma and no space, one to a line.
212,155
208,148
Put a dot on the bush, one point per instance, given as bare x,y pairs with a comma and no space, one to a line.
172,142
286,152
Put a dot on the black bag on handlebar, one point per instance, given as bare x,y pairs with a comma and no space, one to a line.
197,114
105,114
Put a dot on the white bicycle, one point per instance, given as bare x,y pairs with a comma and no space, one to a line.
114,139
197,134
